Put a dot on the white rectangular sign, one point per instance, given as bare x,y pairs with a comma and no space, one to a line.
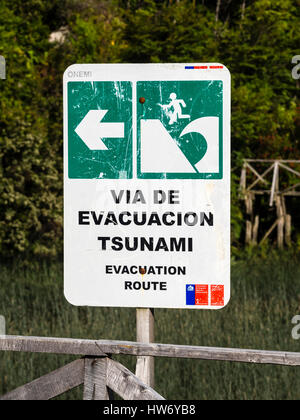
147,185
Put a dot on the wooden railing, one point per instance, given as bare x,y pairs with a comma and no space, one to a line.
265,177
100,374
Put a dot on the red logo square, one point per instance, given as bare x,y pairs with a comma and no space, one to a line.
217,295
201,294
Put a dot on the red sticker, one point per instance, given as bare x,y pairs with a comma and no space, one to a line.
201,294
217,295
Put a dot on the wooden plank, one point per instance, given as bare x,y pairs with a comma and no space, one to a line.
145,334
243,178
248,234
128,385
289,169
288,229
269,231
261,192
292,193
249,224
207,353
95,379
280,225
92,347
249,204
255,230
51,345
289,193
274,183
271,160
50,385
290,188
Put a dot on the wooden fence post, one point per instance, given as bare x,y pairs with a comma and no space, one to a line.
145,334
281,220
288,228
255,230
249,221
95,373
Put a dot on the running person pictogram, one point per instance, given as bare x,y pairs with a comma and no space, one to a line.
174,109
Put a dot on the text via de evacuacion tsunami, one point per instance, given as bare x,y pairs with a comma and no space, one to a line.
143,218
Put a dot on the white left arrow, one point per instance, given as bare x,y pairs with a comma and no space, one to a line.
91,130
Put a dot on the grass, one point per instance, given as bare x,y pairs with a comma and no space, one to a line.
265,297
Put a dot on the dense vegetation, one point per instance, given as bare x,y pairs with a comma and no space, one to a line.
255,39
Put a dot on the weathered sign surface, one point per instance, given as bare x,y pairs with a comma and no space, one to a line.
147,185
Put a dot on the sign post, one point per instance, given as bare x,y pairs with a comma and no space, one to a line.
147,186
145,334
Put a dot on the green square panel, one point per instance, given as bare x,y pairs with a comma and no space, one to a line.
180,129
100,130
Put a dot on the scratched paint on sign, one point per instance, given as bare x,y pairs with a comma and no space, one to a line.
179,116
115,162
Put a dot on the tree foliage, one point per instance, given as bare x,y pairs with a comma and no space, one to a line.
255,39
